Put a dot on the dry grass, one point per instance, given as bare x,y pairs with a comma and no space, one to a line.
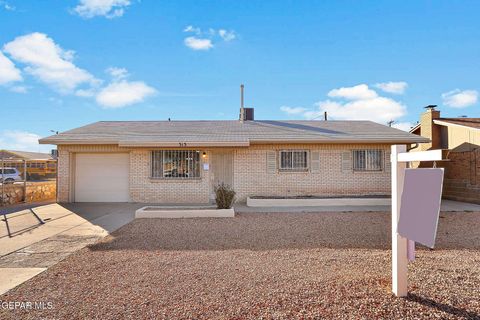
329,265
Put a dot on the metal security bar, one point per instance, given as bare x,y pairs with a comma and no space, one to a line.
176,164
294,160
367,160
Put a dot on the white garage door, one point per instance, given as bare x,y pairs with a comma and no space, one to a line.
101,177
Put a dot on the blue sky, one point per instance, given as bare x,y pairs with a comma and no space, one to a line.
64,64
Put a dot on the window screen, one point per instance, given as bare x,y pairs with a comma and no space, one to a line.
176,164
294,160
367,160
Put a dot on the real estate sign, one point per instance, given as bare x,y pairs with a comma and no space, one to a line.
420,205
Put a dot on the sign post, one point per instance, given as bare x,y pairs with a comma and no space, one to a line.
399,158
399,243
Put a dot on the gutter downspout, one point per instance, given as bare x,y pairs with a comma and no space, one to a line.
411,148
242,109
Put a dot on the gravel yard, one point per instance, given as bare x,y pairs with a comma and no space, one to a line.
279,265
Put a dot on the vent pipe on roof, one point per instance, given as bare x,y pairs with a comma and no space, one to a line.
245,113
242,109
325,116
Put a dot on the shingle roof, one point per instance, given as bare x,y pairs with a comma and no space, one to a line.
467,122
28,155
230,133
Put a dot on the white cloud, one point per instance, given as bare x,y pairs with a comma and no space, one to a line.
8,72
19,89
123,93
361,91
86,93
363,104
293,110
117,73
378,109
193,29
405,126
22,140
460,99
198,43
7,6
204,40
227,35
108,8
393,87
48,62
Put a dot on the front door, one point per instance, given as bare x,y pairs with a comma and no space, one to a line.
222,167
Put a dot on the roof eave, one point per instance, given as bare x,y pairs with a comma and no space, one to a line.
183,144
447,123
74,141
415,128
343,141
227,143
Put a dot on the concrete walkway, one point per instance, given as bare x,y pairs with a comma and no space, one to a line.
447,205
34,247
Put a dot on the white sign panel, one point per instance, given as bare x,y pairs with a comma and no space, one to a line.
420,205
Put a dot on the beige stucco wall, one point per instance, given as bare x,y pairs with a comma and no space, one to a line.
250,175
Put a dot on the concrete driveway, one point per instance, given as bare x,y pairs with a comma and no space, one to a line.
34,247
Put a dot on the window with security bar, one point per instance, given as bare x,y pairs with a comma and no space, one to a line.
293,160
367,160
176,164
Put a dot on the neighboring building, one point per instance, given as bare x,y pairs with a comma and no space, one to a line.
39,165
182,161
461,137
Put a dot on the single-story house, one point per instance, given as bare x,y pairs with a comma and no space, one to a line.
461,138
182,161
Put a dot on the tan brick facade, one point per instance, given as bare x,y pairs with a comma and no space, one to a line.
252,179
145,189
250,176
429,130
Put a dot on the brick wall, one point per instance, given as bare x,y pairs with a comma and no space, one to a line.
145,189
429,130
462,176
250,175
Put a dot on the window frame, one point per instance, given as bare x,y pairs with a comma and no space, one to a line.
366,168
185,154
293,169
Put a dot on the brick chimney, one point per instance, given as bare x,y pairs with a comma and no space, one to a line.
429,130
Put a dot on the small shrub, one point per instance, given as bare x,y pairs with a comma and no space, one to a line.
224,196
